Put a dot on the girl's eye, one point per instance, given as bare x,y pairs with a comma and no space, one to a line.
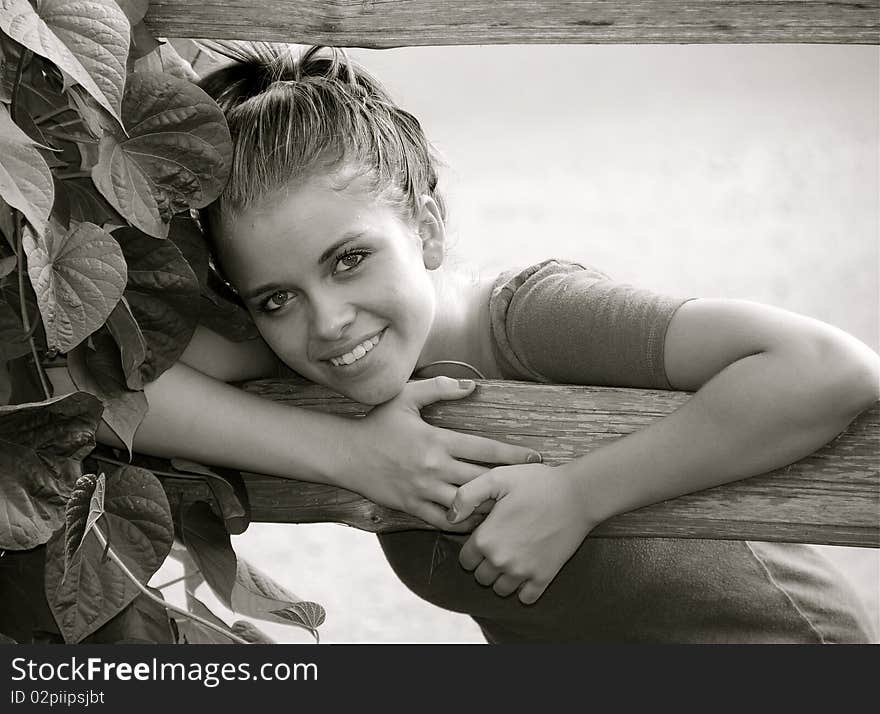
276,300
349,260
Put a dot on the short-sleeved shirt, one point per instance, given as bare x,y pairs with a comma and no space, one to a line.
563,322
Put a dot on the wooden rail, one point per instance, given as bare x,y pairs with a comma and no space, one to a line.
831,497
395,23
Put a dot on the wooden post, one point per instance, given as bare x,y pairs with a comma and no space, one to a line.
395,23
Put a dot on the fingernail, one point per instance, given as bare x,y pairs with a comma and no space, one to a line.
452,515
534,458
466,383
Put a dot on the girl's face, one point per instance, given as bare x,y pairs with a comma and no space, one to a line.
336,283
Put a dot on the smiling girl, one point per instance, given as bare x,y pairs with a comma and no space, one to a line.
332,232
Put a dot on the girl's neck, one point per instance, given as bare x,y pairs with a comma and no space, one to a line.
461,329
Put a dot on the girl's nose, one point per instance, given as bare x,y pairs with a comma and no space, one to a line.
330,317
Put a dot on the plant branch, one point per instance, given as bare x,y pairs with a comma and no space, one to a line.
43,118
61,175
25,320
159,601
19,71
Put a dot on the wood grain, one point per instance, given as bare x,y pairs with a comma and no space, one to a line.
831,497
395,23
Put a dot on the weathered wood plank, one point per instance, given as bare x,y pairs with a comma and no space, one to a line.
395,23
831,497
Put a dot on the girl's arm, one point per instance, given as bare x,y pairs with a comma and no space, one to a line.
772,387
391,456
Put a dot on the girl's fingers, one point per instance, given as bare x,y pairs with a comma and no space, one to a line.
489,451
486,573
460,472
530,592
423,392
506,584
435,516
469,557
472,494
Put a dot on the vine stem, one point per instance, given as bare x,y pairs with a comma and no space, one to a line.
72,174
42,118
159,601
25,320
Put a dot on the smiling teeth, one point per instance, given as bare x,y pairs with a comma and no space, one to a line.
357,353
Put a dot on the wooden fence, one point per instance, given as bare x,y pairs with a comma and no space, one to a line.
831,497
396,23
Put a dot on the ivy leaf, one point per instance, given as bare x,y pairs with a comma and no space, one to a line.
85,507
194,633
216,310
309,615
240,586
24,610
251,633
87,39
5,381
177,154
13,342
97,370
91,591
86,202
131,342
142,42
78,277
144,622
163,293
134,9
25,179
41,446
165,58
7,265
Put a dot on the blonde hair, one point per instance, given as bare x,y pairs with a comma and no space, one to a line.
291,117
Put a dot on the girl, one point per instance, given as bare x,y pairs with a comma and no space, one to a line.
332,231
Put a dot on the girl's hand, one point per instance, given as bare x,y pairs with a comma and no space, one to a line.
538,521
415,467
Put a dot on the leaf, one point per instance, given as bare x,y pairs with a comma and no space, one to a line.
78,278
91,591
177,155
240,586
194,633
144,621
97,370
131,342
134,9
24,610
251,633
4,640
25,179
41,446
216,311
163,294
309,615
5,382
85,507
86,202
7,265
142,42
87,39
13,342
165,58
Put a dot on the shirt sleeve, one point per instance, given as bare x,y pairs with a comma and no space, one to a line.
566,323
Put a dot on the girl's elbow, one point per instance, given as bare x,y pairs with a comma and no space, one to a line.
849,376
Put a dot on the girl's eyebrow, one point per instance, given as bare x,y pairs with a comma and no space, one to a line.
325,256
331,251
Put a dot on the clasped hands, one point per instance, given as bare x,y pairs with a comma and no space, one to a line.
537,522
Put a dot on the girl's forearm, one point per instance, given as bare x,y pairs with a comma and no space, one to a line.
762,412
197,417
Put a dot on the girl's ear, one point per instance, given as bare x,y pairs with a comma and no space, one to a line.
432,232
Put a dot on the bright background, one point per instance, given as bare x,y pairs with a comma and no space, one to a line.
723,171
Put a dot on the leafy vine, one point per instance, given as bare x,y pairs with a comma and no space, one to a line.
107,146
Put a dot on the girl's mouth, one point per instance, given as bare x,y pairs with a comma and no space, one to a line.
358,352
